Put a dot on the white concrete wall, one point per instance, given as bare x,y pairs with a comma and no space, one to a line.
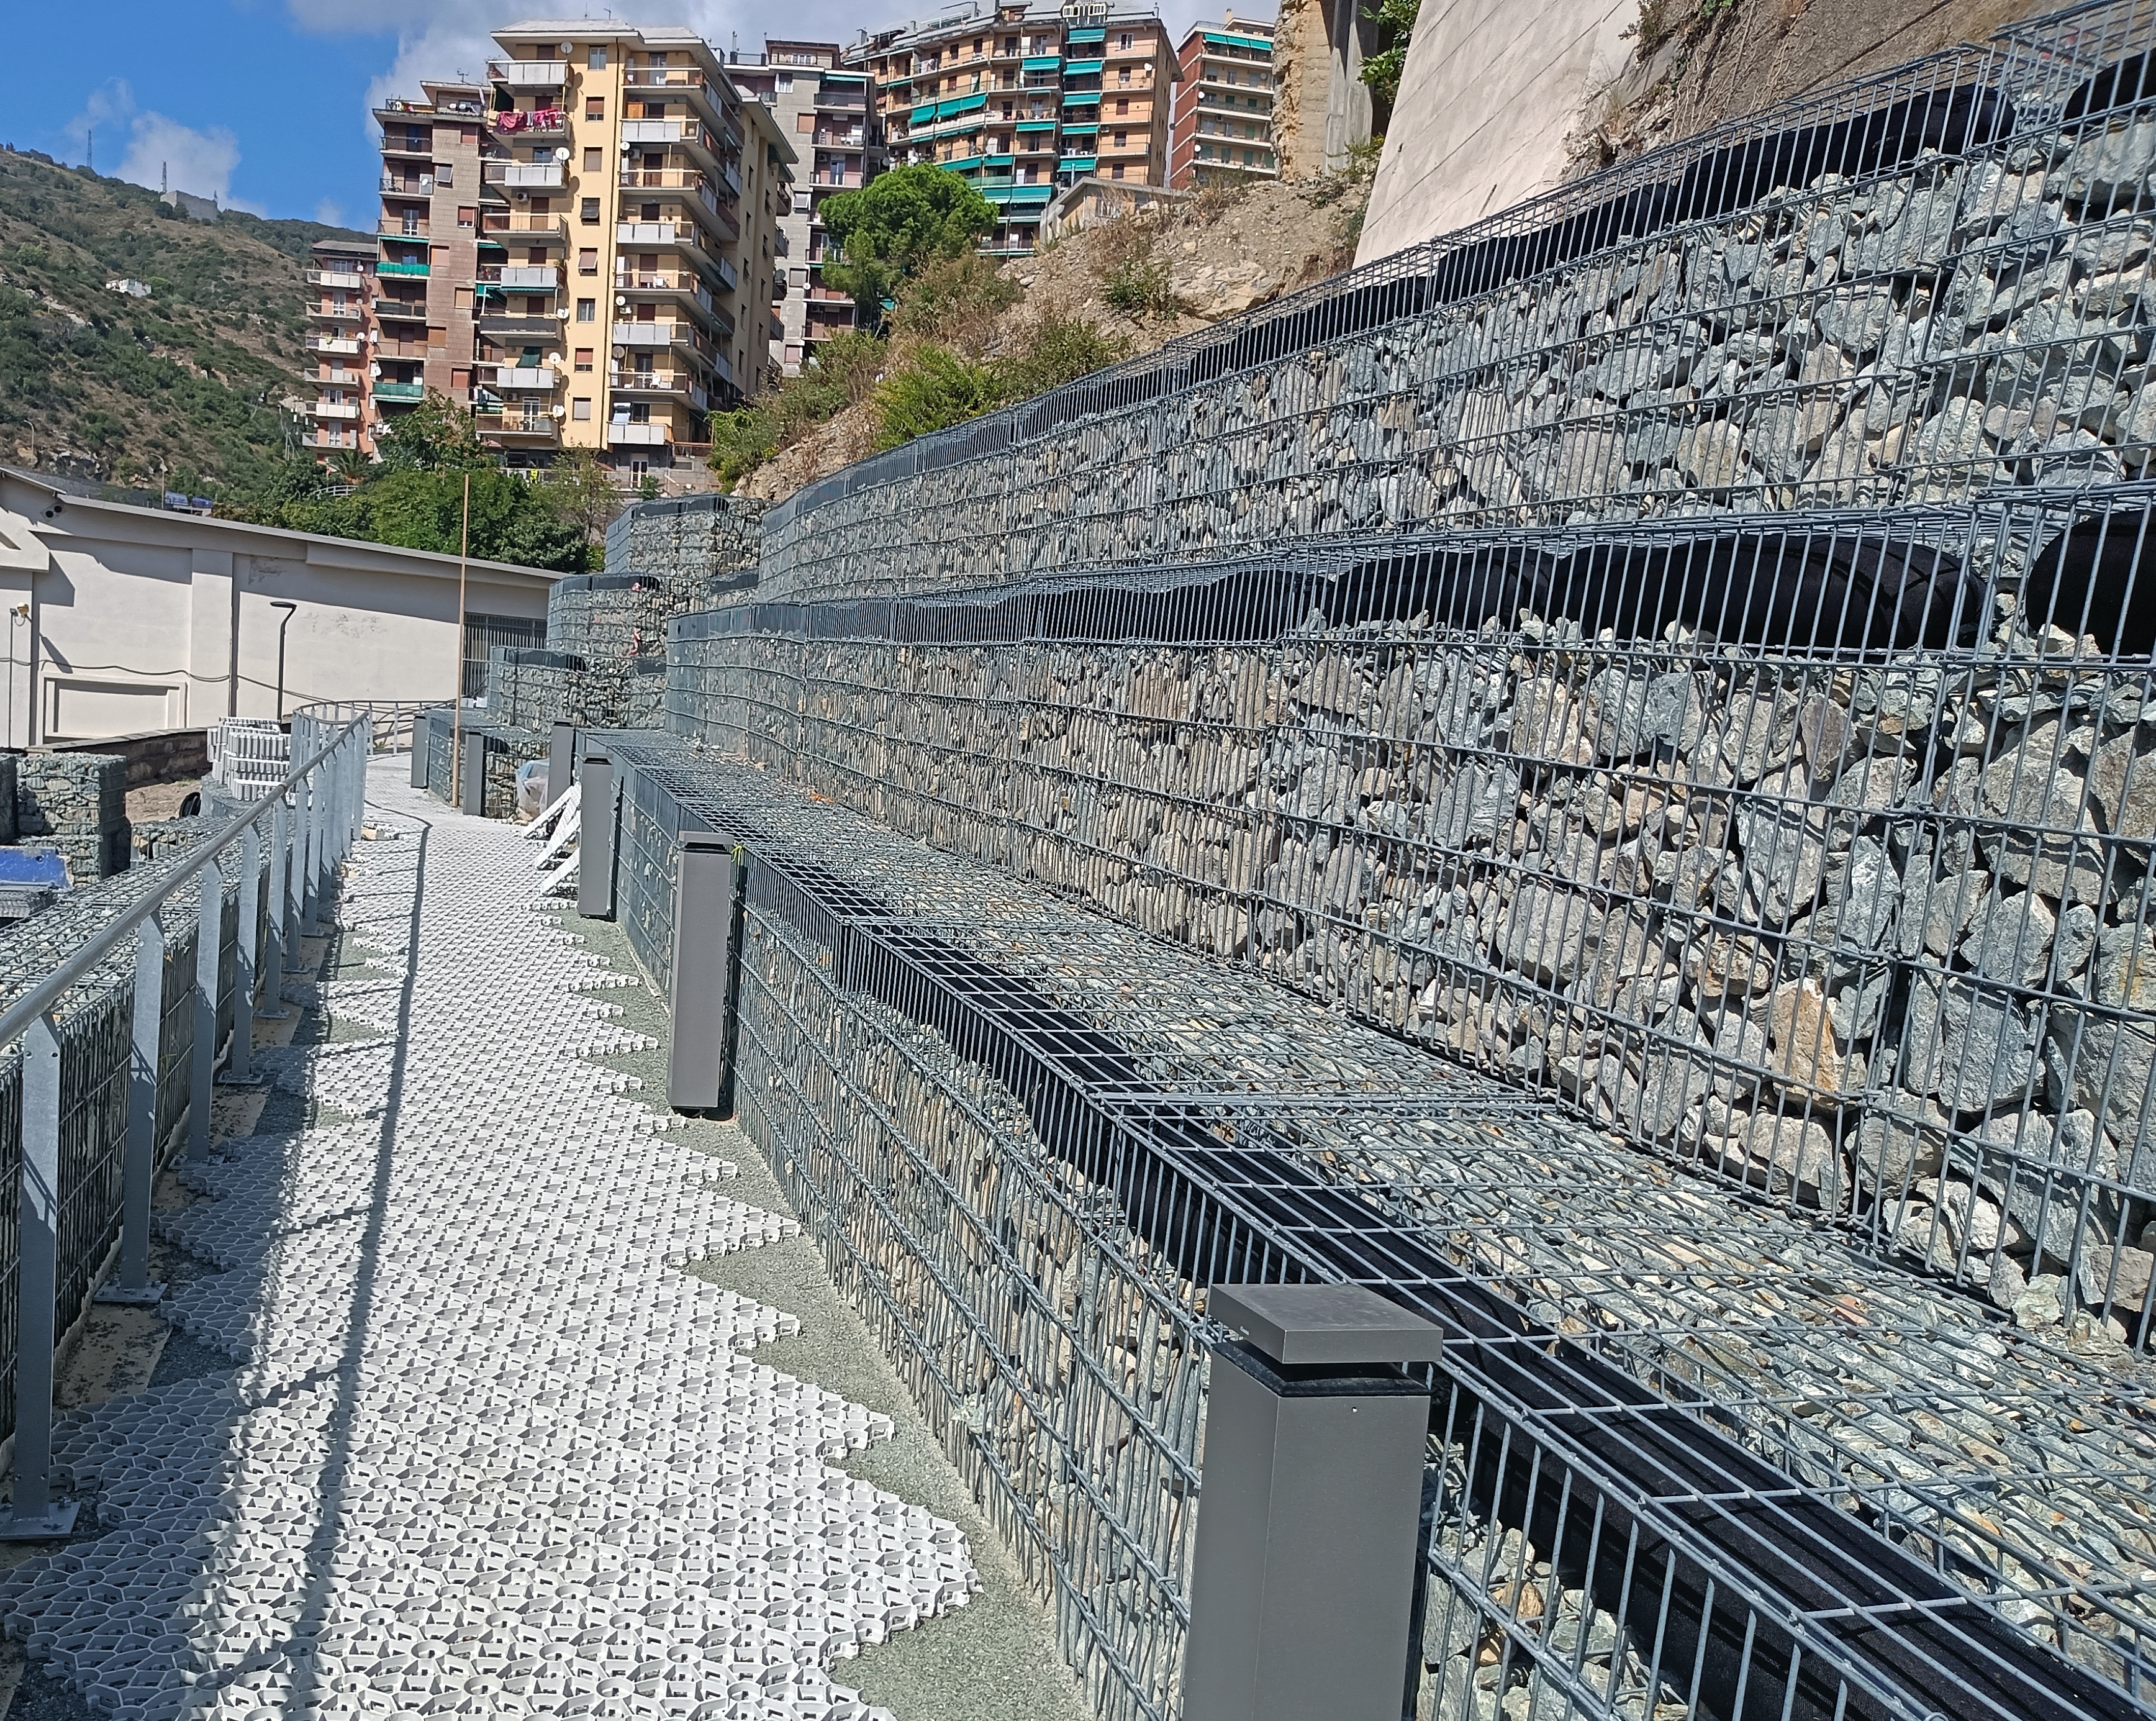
1490,90
142,619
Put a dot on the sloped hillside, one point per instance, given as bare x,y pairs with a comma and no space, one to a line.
1140,281
182,390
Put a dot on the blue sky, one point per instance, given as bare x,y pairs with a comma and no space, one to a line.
264,102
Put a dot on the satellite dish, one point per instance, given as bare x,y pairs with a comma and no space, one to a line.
561,154
568,49
621,301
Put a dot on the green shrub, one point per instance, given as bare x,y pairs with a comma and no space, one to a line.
932,390
1058,350
1138,287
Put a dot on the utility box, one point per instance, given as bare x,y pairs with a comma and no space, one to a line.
597,812
709,872
1302,1582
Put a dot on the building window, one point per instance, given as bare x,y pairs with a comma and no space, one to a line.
595,107
801,203
1123,40
596,59
583,358
542,206
587,211
444,174
595,160
1123,74
588,260
468,218
1115,172
587,310
580,411
1122,139
1122,107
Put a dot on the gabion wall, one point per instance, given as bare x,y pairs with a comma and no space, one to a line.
1922,288
76,803
686,542
1864,929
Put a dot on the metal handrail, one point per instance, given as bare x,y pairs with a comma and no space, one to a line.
48,992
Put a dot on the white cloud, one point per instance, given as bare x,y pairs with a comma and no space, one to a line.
153,149
162,150
329,213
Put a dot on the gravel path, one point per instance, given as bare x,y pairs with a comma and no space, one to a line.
486,1449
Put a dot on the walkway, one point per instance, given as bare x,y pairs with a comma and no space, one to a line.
487,1451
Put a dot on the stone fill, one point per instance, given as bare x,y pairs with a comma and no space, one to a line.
484,1449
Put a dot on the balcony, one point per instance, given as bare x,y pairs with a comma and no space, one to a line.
518,427
675,385
655,233
390,310
726,269
552,226
408,185
650,335
402,271
524,176
621,434
541,377
338,313
523,277
348,410
528,73
400,393
348,345
780,245
349,280
531,122
503,323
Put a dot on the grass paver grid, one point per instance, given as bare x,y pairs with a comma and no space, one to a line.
486,1449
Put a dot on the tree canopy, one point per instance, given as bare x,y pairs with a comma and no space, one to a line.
895,226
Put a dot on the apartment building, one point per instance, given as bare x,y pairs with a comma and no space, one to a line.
421,331
1025,100
340,282
825,109
1223,126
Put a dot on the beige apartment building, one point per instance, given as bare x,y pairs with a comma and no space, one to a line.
633,203
1024,101
823,109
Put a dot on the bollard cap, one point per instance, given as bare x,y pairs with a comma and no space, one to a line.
1302,1326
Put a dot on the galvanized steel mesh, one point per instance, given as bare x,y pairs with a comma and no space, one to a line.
1923,287
1027,1166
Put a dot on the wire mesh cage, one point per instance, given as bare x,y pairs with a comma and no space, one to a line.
950,1066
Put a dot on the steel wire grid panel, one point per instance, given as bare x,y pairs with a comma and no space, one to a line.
2017,1473
95,1049
1816,854
1924,286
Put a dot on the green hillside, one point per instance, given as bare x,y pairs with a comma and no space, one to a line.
180,391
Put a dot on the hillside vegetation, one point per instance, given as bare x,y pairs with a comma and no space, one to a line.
966,337
180,391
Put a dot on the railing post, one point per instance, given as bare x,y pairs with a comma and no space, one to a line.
34,1517
1302,1581
296,883
201,1064
273,948
310,852
239,1069
131,1284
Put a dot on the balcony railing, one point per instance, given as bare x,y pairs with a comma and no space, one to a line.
525,176
661,179
661,334
531,122
680,384
337,313
558,226
408,185
400,391
542,376
621,434
529,74
345,410
347,279
522,277
780,245
400,310
655,233
403,269
524,426
342,344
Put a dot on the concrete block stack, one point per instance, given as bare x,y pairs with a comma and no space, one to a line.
76,803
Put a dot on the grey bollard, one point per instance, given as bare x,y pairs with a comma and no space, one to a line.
599,807
471,769
561,759
1302,1581
423,734
707,885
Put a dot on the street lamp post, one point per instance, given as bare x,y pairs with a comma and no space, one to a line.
288,607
